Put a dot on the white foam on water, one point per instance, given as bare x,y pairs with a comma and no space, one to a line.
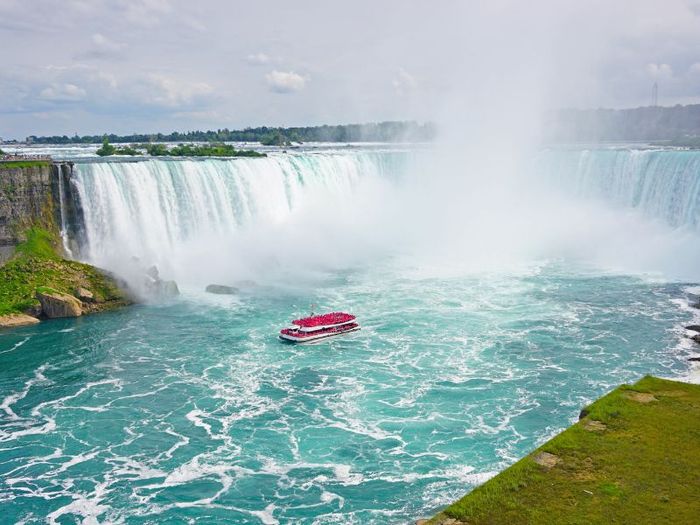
87,507
10,400
195,416
36,411
266,515
329,497
131,469
40,460
182,441
16,345
75,460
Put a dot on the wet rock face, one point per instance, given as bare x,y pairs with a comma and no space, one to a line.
56,304
152,272
24,193
34,195
85,295
160,289
169,289
221,289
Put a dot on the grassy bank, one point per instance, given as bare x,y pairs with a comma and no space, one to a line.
633,458
7,164
37,264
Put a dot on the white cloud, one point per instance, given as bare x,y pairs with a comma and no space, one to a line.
168,92
285,82
94,90
103,43
403,82
660,71
257,59
63,93
566,52
102,48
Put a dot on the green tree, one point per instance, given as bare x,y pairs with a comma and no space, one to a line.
275,138
107,149
157,150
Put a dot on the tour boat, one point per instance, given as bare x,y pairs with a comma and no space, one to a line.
318,327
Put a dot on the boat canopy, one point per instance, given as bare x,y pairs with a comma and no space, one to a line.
331,319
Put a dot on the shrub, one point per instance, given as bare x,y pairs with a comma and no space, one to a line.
107,149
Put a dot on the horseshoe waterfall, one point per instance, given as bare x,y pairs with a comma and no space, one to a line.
190,410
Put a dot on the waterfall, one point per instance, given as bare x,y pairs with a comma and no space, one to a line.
186,213
661,184
62,210
147,208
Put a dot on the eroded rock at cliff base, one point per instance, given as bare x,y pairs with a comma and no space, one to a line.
221,289
16,320
169,289
85,295
160,289
56,304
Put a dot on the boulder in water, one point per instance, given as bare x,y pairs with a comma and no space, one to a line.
153,272
693,327
169,288
15,320
162,289
56,304
221,289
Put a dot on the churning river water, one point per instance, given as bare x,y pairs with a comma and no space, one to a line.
191,411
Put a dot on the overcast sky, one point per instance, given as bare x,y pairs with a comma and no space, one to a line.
91,66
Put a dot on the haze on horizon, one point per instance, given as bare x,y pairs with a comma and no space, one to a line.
162,65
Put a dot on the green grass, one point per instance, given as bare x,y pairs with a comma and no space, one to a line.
37,265
643,467
39,243
23,164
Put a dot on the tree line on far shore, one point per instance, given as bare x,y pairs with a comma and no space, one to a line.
181,150
394,131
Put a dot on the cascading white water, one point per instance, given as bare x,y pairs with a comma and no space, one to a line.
198,217
62,209
151,208
662,184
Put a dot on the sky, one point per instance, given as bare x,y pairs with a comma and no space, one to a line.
124,66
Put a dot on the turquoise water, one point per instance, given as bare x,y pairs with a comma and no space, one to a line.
193,412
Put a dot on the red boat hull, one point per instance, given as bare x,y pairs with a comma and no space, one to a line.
299,336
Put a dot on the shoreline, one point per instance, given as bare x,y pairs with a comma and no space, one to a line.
596,470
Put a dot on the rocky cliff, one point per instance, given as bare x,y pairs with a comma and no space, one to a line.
30,194
38,278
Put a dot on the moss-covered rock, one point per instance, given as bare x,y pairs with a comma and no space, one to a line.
16,320
56,304
34,280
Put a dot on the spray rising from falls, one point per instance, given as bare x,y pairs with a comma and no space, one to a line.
152,209
661,184
203,217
